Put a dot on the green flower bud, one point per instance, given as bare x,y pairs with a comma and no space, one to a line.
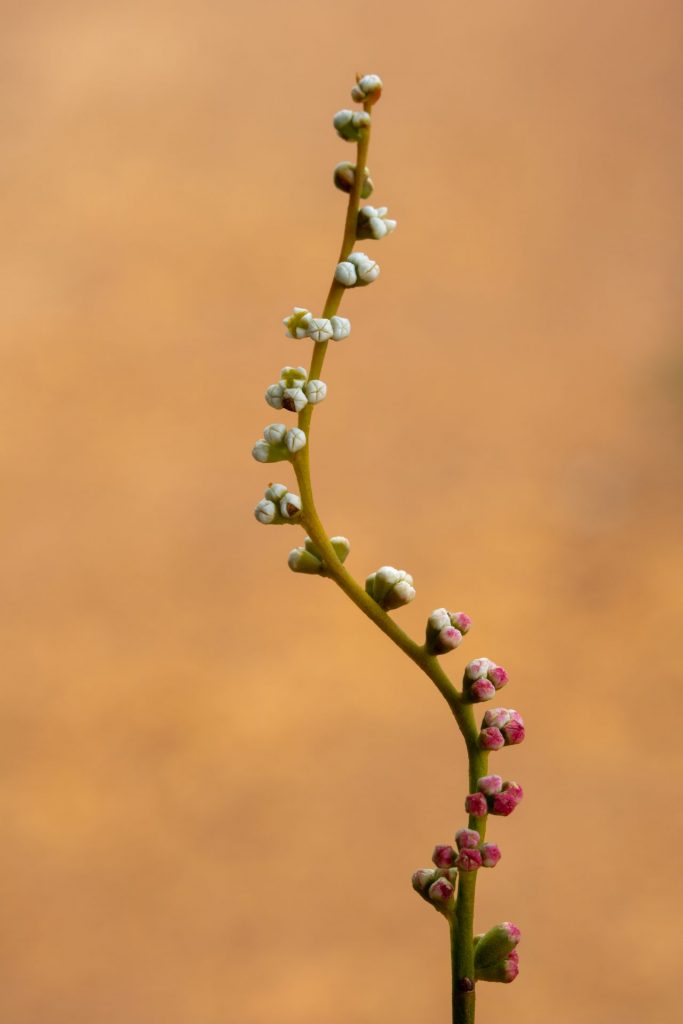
345,176
496,944
301,560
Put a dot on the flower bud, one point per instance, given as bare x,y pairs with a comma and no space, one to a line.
514,731
296,323
273,447
490,784
505,971
496,944
274,433
440,891
467,839
444,856
301,560
345,274
275,492
367,269
475,803
345,177
498,676
468,860
490,855
367,89
341,546
461,621
319,329
373,223
265,511
504,803
316,391
294,400
391,588
295,439
350,123
497,717
443,630
290,506
514,789
480,691
422,879
341,327
274,395
477,669
491,739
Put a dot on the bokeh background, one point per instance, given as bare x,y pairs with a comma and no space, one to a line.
217,777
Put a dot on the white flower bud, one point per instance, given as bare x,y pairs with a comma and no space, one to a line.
274,395
341,327
319,329
439,619
301,560
265,511
290,506
367,269
297,322
295,439
294,399
390,587
346,274
373,223
262,451
316,391
275,433
342,547
275,492
367,89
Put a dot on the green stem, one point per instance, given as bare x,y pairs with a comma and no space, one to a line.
461,922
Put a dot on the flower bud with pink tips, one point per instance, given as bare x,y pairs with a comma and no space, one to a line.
444,856
475,803
390,588
441,891
504,802
466,838
504,971
490,855
495,945
491,738
422,879
468,860
490,784
482,678
508,721
445,630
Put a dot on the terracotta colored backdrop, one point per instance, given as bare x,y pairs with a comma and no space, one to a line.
217,777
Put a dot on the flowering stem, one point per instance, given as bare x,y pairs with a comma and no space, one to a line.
461,919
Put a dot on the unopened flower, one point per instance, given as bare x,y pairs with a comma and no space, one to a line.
268,510
316,391
441,891
345,273
341,327
508,721
480,691
422,879
295,439
265,511
475,803
373,222
290,506
468,860
490,855
301,560
444,632
504,803
296,324
491,739
367,269
482,678
467,838
444,856
319,329
490,784
477,669
350,123
367,89
496,944
271,448
341,545
390,588
504,971
345,177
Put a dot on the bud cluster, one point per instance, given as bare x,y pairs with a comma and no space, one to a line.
344,177
367,89
349,124
302,324
294,390
493,796
437,885
495,954
357,270
308,559
445,630
390,588
373,222
278,506
482,678
278,443
501,727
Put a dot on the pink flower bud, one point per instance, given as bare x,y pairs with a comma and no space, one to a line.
491,739
475,803
466,838
503,804
490,784
490,855
497,717
441,890
481,690
514,732
422,879
498,676
514,789
469,860
444,856
461,621
477,669
447,640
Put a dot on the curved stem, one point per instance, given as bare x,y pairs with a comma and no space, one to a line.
461,921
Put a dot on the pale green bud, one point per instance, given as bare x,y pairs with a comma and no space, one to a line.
367,89
349,124
345,176
301,560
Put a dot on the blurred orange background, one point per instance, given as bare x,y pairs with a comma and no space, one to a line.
218,777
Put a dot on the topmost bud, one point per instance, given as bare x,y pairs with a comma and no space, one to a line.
367,89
